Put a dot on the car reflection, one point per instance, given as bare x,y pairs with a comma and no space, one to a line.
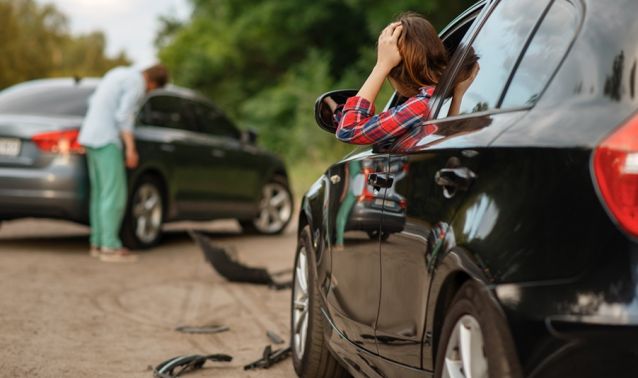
363,206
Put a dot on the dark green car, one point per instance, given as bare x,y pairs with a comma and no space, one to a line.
194,163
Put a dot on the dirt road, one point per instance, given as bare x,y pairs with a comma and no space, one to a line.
65,314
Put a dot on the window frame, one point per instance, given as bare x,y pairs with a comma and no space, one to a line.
458,58
209,104
460,55
146,107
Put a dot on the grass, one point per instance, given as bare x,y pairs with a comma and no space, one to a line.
304,174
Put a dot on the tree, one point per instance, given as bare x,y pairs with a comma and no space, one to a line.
266,61
35,42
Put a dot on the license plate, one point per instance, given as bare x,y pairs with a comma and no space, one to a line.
9,147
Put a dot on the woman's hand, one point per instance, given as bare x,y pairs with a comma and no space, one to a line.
388,55
462,87
331,103
459,91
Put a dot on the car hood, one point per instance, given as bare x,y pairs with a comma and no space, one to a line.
25,126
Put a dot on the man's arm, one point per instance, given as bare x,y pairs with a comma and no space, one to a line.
132,158
125,117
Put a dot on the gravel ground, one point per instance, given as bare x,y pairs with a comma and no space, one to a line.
66,314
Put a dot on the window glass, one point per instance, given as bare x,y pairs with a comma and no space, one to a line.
212,121
188,116
543,55
165,111
498,45
46,99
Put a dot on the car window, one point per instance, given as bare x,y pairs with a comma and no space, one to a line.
543,55
188,115
45,99
166,111
498,46
212,121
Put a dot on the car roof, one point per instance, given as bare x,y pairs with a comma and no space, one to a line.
92,82
87,82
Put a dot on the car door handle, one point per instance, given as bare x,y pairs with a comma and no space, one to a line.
167,147
218,153
454,179
379,182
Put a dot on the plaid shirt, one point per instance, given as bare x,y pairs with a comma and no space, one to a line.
359,125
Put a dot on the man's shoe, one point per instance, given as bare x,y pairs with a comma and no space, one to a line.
121,255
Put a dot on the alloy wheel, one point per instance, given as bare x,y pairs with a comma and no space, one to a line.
275,209
465,354
147,213
301,304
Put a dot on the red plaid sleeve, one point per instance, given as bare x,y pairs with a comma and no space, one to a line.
359,125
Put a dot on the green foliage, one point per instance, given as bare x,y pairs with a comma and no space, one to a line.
35,42
266,61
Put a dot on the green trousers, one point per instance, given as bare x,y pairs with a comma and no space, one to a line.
108,194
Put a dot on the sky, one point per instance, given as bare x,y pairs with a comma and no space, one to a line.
129,25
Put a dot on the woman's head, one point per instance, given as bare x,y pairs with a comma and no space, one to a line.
423,56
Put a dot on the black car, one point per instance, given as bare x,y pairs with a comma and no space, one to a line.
518,252
194,163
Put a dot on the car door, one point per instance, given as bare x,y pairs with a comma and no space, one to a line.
353,210
440,167
169,123
235,173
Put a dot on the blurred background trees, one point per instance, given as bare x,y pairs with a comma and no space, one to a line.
263,61
35,42
266,61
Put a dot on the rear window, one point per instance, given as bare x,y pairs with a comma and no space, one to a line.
45,100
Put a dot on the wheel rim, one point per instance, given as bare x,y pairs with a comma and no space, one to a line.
465,353
275,208
147,213
301,303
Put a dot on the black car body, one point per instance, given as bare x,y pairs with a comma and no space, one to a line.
523,207
194,163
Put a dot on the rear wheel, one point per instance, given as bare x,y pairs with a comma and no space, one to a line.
475,339
310,355
275,209
142,226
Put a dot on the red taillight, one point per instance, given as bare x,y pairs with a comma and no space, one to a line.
366,195
65,141
616,172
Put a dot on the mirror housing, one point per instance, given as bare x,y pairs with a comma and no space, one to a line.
323,112
249,137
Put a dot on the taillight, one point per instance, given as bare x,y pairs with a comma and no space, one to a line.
616,171
63,142
366,195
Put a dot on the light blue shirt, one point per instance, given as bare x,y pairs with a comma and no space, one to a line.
112,107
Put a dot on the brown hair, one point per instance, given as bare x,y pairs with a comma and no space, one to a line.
423,55
157,74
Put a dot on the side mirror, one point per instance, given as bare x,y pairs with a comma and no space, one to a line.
249,137
325,105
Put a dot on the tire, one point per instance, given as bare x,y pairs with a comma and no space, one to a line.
310,355
490,342
374,235
142,226
275,209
